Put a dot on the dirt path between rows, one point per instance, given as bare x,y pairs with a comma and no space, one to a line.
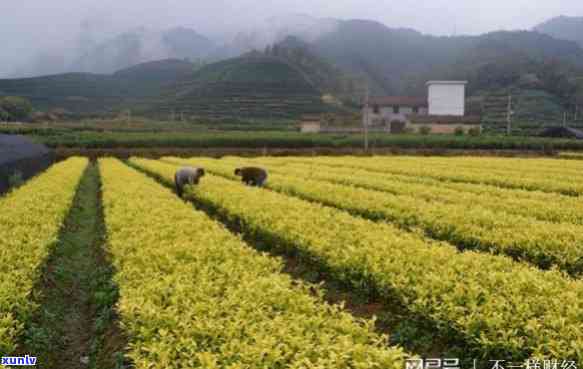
75,294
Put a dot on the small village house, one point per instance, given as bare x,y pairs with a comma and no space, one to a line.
310,124
443,111
392,112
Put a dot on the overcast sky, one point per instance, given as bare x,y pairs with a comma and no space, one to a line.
28,27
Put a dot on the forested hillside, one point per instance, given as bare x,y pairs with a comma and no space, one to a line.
565,28
251,86
289,77
98,93
399,61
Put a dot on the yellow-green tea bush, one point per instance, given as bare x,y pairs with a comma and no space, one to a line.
506,308
30,220
192,295
467,224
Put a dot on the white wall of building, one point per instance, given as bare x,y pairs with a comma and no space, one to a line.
446,97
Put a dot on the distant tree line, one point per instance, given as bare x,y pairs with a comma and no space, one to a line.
20,109
550,76
14,108
519,71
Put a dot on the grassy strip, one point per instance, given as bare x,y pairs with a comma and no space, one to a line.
30,220
194,295
467,227
491,301
75,292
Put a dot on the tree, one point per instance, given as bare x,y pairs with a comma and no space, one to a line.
579,97
556,81
17,108
4,116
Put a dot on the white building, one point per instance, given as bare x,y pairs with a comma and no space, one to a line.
443,111
446,98
387,110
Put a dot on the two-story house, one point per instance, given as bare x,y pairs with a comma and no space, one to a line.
394,110
442,111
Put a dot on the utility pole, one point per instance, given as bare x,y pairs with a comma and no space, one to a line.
564,119
509,116
365,118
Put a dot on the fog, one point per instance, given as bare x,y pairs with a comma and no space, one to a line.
38,36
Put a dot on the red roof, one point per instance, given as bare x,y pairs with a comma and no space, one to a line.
398,100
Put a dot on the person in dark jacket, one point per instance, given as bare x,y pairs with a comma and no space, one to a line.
252,176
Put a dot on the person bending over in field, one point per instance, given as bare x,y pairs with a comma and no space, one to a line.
252,176
187,176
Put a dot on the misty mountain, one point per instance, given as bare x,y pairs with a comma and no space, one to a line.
401,60
387,56
143,45
394,60
99,93
251,86
324,76
520,50
323,56
185,43
274,30
565,28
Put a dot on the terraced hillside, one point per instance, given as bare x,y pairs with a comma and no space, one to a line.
98,93
532,110
74,91
244,87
